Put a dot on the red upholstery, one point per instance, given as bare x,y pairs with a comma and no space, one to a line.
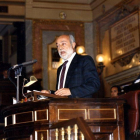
133,110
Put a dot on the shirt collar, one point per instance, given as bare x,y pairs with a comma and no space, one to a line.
70,59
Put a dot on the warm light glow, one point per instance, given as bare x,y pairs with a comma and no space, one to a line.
32,80
133,60
120,52
100,58
130,66
80,49
61,61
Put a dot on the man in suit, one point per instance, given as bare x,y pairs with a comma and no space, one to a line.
80,79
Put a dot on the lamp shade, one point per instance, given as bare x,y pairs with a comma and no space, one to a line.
32,81
80,49
100,58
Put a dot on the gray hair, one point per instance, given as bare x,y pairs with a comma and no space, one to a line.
72,39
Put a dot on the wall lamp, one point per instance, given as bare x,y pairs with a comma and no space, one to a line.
81,50
100,60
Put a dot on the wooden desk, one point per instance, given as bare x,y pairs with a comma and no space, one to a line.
31,120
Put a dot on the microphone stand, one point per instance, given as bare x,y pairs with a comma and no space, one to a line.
17,74
18,69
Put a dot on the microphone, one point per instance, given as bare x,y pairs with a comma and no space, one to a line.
24,64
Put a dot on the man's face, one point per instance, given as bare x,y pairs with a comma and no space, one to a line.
5,74
65,49
114,92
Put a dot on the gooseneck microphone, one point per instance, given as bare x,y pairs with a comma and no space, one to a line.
24,64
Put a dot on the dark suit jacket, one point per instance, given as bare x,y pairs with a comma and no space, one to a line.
82,78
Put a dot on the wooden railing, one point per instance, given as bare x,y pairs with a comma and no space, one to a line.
73,129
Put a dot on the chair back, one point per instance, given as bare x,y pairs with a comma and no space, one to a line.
133,109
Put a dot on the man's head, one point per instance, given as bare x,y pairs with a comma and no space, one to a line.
5,74
65,46
115,90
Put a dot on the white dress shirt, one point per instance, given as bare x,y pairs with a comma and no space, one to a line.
67,67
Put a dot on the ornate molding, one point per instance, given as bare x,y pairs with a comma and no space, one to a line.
63,22
124,76
125,60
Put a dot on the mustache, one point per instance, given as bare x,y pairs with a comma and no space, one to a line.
62,51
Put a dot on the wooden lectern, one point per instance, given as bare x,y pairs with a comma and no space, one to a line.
33,120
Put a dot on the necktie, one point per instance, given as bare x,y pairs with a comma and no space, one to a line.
62,75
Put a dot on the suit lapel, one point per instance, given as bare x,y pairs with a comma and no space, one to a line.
58,73
71,69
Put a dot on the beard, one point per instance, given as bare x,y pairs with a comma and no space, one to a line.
65,54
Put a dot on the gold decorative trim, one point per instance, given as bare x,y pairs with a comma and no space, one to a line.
60,2
35,113
62,15
13,119
71,109
114,110
7,118
5,121
36,134
25,113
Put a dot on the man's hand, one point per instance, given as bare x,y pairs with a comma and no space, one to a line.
63,92
45,91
